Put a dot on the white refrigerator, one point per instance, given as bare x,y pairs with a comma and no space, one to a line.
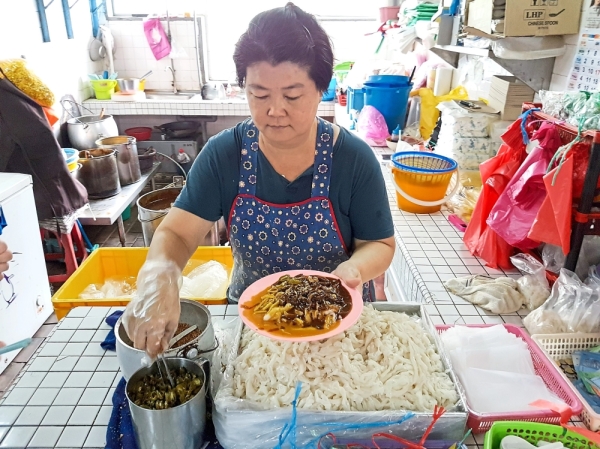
25,299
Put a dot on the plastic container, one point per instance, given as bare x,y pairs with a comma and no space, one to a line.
71,158
560,346
534,432
392,102
140,133
103,89
342,99
341,70
329,94
126,215
388,13
482,422
398,80
356,99
105,263
421,180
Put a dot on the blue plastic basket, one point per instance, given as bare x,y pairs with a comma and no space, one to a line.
423,162
356,99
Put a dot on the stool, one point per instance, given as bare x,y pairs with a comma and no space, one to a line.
68,242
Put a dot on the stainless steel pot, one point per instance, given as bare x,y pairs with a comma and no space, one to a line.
84,131
154,206
128,85
180,427
193,313
98,173
128,163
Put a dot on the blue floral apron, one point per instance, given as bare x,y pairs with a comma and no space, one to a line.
269,238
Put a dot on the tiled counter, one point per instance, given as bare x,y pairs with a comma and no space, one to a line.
429,251
62,398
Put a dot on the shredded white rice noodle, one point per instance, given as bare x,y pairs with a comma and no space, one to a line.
384,362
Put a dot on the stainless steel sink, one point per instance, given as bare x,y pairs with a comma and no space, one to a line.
164,96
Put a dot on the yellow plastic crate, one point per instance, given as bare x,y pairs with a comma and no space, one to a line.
105,263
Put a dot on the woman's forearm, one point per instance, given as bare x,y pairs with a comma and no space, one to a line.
178,236
372,258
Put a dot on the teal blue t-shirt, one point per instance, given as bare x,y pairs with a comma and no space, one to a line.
357,190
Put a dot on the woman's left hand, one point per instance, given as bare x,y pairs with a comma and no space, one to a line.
350,274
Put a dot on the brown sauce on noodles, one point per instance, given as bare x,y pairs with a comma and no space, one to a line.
299,306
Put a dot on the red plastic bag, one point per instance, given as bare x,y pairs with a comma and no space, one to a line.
515,211
553,222
496,173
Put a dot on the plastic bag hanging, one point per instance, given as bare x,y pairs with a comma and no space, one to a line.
516,209
553,222
157,38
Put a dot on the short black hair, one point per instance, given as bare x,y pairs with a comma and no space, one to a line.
286,34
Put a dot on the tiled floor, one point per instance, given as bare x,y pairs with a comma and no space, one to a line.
105,236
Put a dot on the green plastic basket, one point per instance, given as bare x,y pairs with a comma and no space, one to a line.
534,432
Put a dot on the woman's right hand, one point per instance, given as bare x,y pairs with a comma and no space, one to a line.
5,256
152,316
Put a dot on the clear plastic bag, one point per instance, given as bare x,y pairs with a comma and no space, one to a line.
463,203
572,307
260,427
552,102
533,285
208,280
112,288
554,258
526,48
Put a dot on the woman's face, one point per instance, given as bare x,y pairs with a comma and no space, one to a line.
283,101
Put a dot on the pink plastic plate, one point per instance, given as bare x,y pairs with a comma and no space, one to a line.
264,283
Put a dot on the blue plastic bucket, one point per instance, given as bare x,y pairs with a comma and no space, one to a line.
329,94
356,99
392,102
389,79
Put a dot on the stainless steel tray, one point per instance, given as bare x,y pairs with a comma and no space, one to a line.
231,413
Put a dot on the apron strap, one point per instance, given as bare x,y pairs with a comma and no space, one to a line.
323,159
248,159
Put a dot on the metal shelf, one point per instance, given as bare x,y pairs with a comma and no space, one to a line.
536,73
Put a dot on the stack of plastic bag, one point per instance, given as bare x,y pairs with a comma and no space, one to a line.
209,280
465,136
573,306
495,369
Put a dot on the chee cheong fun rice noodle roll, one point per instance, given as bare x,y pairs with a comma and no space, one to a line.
384,362
302,301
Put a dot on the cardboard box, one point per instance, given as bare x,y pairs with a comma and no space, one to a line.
507,95
527,17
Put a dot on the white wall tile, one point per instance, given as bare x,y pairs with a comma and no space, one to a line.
559,82
563,64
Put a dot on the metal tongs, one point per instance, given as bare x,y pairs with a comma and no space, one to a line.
159,360
161,357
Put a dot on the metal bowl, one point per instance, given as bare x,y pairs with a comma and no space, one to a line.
128,85
193,313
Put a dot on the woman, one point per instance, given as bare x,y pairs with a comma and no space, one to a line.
273,177
5,257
